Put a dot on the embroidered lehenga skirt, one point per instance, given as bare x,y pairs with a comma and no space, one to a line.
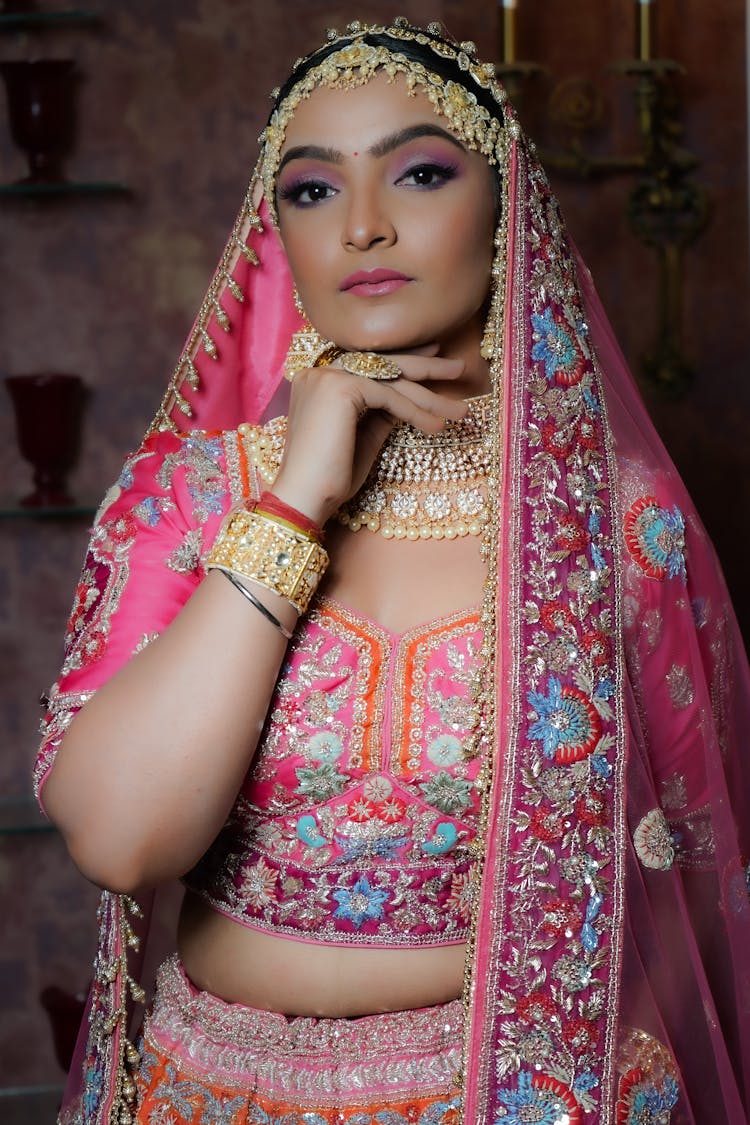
205,1060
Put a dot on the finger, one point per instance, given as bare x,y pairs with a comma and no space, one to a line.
434,402
422,368
423,409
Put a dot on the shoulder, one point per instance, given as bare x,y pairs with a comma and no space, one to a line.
202,473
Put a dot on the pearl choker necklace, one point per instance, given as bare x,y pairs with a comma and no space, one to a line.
428,486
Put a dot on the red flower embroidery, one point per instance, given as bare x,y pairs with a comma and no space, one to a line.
580,1035
121,530
360,809
462,894
627,1082
596,644
547,825
536,1007
557,440
391,810
592,809
555,615
561,916
572,536
93,648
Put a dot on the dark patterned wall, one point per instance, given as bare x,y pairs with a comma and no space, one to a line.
174,96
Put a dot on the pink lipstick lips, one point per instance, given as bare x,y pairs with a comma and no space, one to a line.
373,283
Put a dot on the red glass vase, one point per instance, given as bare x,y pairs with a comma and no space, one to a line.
42,114
48,409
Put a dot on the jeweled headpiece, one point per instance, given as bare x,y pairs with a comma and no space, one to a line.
475,109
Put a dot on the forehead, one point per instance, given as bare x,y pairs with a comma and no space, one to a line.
354,117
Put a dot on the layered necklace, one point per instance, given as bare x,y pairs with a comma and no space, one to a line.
428,486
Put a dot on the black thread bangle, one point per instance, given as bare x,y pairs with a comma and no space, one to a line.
257,603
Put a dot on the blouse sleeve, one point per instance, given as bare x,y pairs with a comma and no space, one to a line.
143,562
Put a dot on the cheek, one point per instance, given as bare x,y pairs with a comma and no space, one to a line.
468,246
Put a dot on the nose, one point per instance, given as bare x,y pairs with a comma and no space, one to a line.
367,222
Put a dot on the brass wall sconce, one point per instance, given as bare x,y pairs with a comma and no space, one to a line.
666,209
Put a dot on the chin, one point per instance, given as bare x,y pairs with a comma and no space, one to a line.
383,340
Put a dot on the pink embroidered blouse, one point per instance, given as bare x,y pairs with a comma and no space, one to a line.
355,821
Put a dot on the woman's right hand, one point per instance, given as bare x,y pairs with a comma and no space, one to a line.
338,423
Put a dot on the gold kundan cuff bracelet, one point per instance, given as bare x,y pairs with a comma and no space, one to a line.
285,561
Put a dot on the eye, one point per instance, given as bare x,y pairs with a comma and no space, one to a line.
428,175
306,193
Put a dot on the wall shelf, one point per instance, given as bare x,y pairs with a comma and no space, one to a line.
40,21
62,190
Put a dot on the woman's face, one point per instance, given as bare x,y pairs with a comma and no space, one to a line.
386,218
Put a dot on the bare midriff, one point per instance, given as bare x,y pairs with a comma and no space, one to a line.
278,974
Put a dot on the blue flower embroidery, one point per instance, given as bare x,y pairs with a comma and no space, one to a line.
568,726
656,538
531,1103
650,1104
362,904
92,1088
557,349
149,511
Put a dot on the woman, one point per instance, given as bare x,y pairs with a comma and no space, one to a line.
455,797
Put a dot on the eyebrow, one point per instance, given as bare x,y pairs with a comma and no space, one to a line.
379,149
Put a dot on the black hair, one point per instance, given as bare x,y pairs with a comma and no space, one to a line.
446,68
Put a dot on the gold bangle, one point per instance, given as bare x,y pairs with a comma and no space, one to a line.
285,561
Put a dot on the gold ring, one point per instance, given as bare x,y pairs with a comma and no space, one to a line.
369,365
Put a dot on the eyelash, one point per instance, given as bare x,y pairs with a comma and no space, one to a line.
441,173
293,192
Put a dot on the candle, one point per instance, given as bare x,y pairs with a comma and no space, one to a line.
645,32
509,30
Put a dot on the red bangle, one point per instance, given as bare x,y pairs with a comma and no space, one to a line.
270,505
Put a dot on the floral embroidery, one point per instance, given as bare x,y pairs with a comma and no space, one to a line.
325,746
259,885
151,509
680,686
642,1102
653,842
555,901
320,782
103,579
445,750
449,794
537,1007
568,726
202,458
557,348
655,538
361,904
538,1098
186,557
462,894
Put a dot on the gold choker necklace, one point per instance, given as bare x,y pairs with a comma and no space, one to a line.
428,486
